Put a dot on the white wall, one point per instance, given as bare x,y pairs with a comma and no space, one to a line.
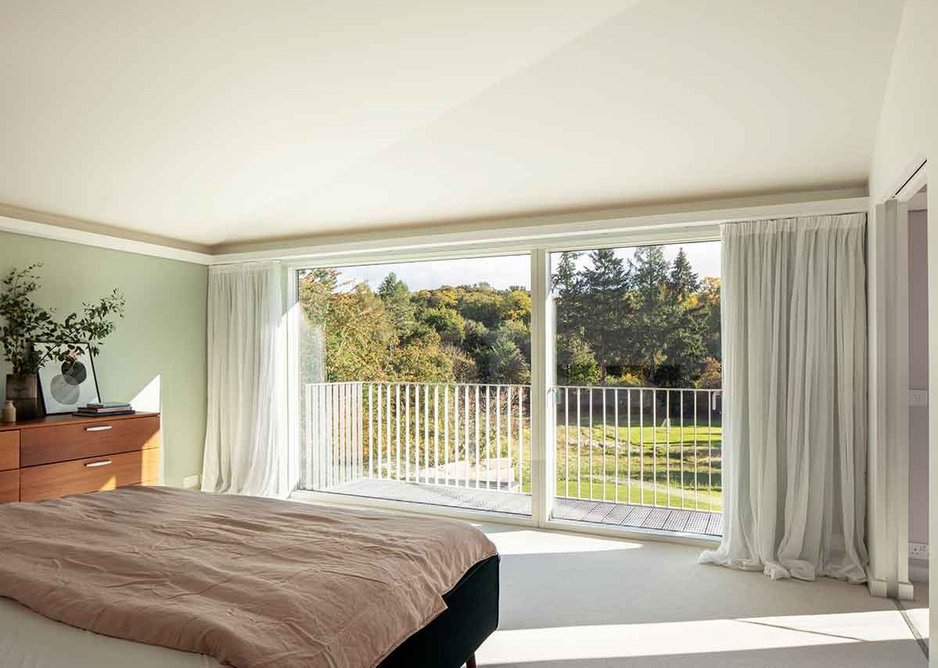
908,134
907,130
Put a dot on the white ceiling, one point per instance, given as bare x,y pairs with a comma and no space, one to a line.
217,122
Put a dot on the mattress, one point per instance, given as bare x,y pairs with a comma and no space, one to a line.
29,640
249,581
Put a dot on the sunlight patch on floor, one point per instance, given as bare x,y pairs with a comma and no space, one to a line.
525,541
695,637
919,617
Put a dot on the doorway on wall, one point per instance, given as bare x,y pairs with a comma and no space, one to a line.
637,430
918,386
414,382
909,207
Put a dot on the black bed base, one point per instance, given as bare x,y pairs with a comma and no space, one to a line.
450,640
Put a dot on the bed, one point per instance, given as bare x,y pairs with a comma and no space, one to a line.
162,577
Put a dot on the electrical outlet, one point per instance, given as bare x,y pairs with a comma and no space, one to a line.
918,397
918,551
192,482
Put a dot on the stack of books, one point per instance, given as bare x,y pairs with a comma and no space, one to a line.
107,408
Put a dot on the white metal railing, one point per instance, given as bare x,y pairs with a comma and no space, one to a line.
465,435
644,446
640,445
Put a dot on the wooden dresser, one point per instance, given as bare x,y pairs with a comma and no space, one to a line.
63,454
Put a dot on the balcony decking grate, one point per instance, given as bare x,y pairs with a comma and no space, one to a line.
677,520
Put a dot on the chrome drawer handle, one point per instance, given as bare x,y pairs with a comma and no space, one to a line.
105,427
94,465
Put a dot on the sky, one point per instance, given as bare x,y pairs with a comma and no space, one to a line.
504,272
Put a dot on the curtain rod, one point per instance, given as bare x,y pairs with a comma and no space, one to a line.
740,221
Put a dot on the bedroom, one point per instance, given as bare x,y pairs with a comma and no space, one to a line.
542,375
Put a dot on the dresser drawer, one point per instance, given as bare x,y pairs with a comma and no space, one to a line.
93,474
9,450
66,442
9,486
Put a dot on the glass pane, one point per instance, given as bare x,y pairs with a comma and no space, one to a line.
415,381
639,400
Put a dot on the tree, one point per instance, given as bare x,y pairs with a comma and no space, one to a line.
710,298
447,322
316,289
567,286
711,377
565,281
649,273
576,361
476,342
638,321
506,363
683,349
422,360
605,307
396,297
519,332
482,304
357,334
464,366
683,281
515,306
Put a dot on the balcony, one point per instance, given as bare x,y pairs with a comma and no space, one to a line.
638,457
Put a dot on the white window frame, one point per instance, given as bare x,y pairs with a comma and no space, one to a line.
538,243
888,462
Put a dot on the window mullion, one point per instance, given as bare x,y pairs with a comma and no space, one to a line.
542,378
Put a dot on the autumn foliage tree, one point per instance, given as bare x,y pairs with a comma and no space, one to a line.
641,320
451,334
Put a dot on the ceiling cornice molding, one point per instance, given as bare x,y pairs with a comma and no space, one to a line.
575,228
72,230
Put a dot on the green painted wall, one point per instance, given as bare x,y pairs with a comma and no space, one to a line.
160,340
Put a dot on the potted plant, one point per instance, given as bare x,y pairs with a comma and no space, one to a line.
24,324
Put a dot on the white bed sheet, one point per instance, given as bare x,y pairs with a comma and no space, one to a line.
29,640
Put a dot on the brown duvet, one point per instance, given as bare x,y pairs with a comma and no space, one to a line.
249,581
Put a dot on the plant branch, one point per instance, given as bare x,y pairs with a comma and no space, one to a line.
31,335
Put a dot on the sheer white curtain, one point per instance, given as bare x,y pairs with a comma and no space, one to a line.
246,441
794,418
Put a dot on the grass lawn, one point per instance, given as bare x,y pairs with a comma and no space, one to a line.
680,468
656,455
644,494
669,466
647,437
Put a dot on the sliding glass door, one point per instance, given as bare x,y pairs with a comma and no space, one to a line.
637,430
415,382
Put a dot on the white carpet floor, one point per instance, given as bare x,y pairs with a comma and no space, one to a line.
588,602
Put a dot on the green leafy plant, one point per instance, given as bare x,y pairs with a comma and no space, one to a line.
30,334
